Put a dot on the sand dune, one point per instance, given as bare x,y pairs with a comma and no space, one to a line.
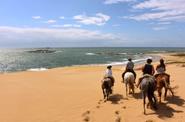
73,94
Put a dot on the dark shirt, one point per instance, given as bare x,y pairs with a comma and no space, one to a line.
148,69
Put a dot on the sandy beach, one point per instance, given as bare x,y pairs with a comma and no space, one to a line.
73,94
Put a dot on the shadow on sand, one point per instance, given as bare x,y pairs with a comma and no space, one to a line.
165,111
137,95
115,98
175,100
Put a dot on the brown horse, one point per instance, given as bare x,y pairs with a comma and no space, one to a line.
106,87
163,80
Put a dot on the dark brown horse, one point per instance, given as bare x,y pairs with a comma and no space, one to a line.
148,88
163,80
106,87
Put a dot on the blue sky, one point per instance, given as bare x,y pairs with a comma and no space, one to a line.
92,23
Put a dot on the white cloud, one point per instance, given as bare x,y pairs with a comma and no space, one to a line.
50,21
36,17
159,28
164,23
71,25
61,17
58,37
154,15
99,19
116,25
160,10
161,5
66,25
117,1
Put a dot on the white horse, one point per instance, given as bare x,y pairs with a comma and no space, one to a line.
129,80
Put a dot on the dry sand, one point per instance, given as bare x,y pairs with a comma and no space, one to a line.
73,94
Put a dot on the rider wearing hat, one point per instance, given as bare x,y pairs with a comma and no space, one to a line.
129,68
108,74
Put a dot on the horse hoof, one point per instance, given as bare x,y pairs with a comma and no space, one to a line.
155,107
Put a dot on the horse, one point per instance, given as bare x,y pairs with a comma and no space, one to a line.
129,80
148,87
106,87
163,80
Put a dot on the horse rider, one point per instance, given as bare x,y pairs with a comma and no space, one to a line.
108,74
129,68
161,68
148,70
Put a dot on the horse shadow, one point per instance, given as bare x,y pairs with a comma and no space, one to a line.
115,98
175,100
165,111
137,95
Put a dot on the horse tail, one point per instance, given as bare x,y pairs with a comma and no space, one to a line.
148,88
105,84
150,91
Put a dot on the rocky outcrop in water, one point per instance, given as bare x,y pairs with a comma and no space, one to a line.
42,51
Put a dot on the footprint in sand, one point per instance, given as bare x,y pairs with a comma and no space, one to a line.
100,101
86,113
117,112
149,120
97,106
121,102
124,107
87,119
86,116
118,118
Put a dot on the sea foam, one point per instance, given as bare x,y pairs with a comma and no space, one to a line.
37,69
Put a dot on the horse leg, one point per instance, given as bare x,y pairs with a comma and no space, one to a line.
144,102
165,93
159,93
169,85
149,95
152,100
107,93
171,91
155,100
130,87
103,91
126,89
133,89
104,96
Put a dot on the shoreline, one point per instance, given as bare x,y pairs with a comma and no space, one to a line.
137,62
170,58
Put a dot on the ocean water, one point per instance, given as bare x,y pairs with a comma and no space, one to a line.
12,60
